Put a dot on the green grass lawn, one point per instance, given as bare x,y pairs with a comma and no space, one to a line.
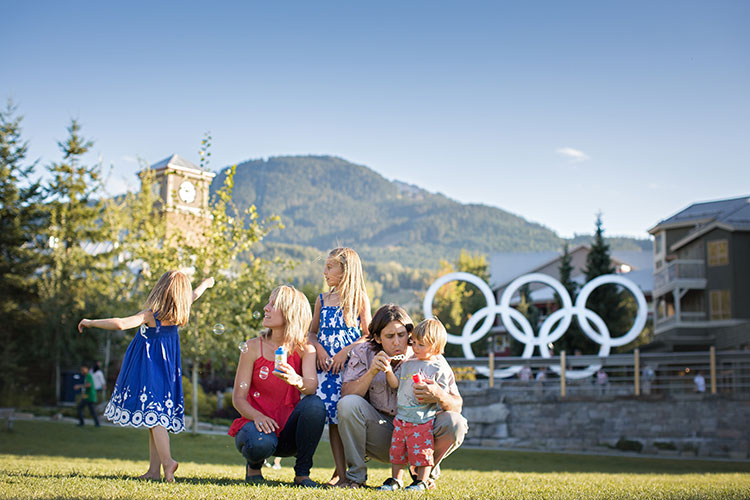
55,460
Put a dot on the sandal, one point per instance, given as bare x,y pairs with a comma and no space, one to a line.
392,484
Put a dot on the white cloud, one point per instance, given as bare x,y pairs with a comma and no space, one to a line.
129,159
572,155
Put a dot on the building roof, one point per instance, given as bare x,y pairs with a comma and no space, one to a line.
507,266
734,212
175,161
643,279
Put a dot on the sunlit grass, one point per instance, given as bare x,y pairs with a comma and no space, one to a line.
48,460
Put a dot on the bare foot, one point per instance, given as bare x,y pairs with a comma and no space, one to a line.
169,471
150,476
334,480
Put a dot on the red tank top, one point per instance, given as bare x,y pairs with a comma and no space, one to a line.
269,394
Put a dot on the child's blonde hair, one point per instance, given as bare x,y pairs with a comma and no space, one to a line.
171,298
351,289
297,314
432,332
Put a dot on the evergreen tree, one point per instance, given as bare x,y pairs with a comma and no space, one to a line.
530,312
79,264
574,339
607,300
21,219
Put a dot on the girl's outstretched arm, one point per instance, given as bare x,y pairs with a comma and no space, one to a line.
198,291
117,323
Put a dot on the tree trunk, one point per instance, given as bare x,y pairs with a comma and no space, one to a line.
195,397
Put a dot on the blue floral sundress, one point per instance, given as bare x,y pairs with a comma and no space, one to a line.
148,391
333,335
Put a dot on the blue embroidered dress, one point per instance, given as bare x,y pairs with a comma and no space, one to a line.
148,391
333,335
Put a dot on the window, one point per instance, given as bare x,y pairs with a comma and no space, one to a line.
659,243
720,307
718,253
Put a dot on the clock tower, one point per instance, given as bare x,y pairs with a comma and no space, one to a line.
183,190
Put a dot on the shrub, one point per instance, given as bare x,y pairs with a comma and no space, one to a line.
206,402
629,445
665,445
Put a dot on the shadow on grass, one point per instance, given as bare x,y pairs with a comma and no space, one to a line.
193,480
119,443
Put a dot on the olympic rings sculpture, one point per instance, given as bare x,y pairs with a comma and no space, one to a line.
552,328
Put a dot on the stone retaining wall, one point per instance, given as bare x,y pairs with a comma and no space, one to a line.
691,425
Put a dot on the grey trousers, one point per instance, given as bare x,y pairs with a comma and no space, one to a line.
366,433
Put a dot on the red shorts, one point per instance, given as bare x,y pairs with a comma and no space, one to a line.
412,443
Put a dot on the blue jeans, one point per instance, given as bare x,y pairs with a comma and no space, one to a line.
299,437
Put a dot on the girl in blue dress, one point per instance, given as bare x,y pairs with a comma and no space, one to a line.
340,320
148,391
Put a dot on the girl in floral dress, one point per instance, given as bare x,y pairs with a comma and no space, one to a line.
340,320
148,391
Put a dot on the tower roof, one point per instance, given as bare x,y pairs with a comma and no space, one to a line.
175,161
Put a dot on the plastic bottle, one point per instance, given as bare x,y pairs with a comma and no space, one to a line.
280,357
417,378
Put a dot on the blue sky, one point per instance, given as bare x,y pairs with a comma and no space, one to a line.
551,110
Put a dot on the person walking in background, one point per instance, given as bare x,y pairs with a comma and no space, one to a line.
339,323
100,385
88,396
148,391
602,381
700,382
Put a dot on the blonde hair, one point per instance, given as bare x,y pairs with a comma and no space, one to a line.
351,289
432,332
171,298
295,309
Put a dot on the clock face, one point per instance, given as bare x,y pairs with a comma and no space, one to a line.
187,192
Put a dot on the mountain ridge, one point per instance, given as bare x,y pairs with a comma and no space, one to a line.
326,201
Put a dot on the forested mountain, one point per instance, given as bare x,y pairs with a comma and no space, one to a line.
325,201
401,231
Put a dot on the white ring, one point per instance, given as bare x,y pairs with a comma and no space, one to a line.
551,329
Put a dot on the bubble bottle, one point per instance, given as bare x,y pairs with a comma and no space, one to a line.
280,357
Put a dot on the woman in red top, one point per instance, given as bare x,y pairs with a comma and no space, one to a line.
275,421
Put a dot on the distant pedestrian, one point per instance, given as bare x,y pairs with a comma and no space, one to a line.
700,382
88,396
100,385
648,378
525,374
602,381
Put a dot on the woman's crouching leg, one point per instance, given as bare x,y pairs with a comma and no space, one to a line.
255,445
308,419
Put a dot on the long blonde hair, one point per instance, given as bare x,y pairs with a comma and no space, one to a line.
295,309
171,298
351,289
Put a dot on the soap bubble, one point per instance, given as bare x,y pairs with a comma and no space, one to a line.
218,329
257,315
242,346
256,394
243,385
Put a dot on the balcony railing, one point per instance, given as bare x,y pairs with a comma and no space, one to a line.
680,274
683,317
